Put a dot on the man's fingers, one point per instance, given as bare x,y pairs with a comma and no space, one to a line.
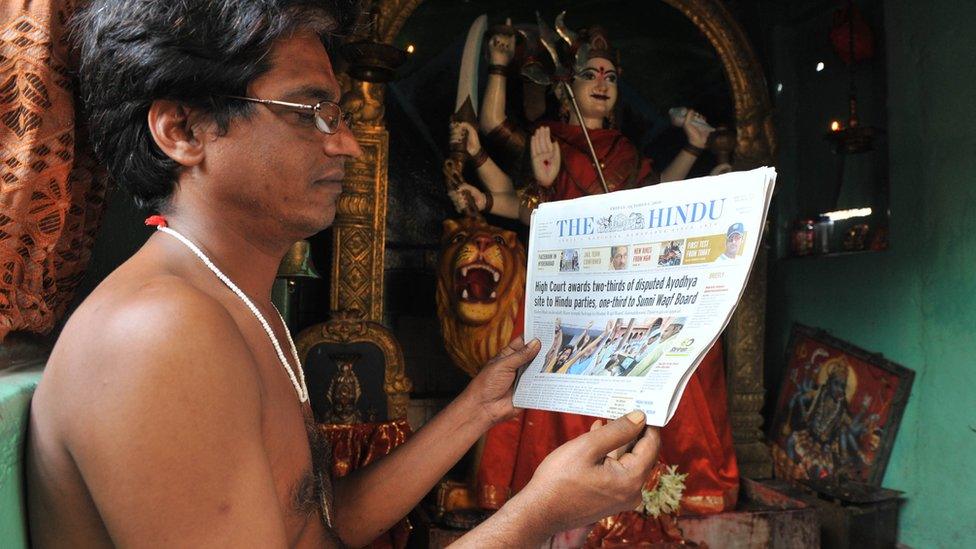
644,454
518,357
613,435
617,453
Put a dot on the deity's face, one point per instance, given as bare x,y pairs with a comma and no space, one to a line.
595,88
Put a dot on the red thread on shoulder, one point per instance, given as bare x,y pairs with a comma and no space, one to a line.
156,221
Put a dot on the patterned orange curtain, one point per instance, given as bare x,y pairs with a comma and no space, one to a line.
51,199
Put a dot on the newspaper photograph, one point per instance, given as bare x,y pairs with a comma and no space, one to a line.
627,291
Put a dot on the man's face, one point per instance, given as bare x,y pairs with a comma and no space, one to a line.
275,165
619,258
564,355
732,244
595,88
671,330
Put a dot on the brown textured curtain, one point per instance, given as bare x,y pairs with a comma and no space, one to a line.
51,200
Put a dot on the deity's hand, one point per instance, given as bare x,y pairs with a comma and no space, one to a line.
501,47
546,157
697,135
492,388
462,132
467,194
593,475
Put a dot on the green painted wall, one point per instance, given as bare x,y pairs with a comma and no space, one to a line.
16,387
915,303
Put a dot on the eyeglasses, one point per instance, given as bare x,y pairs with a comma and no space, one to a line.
328,115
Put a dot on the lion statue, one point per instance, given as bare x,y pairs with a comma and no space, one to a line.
480,287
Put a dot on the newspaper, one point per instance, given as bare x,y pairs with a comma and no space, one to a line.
627,291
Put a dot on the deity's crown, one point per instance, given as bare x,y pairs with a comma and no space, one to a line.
594,44
568,50
589,43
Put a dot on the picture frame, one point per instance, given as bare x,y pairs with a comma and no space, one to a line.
838,410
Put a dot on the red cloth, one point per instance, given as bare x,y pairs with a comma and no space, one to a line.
633,529
359,444
698,439
623,167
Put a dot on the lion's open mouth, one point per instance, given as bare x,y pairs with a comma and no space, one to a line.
476,283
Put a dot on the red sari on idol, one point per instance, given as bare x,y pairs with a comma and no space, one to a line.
699,437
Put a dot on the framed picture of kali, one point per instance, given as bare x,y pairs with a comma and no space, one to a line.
838,410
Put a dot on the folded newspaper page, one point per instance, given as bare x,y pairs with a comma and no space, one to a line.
627,291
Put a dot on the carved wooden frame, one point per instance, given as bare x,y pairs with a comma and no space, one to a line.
348,330
755,146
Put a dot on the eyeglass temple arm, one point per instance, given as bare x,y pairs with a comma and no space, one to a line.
273,102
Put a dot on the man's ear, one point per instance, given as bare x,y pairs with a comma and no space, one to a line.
172,128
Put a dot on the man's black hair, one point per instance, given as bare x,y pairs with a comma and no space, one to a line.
133,52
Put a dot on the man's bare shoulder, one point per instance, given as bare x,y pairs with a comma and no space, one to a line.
154,398
151,337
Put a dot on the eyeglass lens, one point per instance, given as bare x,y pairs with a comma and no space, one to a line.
328,117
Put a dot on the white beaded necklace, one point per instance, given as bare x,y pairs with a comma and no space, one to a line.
297,381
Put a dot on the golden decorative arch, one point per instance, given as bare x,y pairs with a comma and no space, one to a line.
755,146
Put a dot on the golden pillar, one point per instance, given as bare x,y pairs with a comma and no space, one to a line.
359,231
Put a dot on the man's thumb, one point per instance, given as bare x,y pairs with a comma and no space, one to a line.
521,356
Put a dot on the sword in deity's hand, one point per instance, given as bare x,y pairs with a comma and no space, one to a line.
548,39
466,106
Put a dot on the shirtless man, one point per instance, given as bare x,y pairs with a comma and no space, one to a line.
169,412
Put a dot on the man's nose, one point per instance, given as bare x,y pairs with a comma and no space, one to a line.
342,143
